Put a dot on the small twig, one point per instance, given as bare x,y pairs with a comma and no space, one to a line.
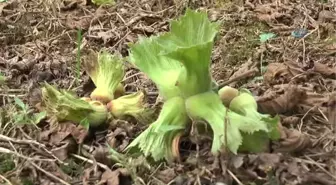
7,151
29,142
319,166
131,76
242,76
90,161
49,174
6,180
304,116
235,178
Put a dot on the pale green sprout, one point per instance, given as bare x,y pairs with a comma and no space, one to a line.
157,140
179,64
106,71
131,105
65,106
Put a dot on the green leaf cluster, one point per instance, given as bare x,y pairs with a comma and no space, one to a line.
178,62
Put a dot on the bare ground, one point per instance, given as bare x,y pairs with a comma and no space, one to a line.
292,74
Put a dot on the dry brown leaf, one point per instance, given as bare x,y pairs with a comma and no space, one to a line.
313,103
283,103
101,154
246,66
79,133
166,175
62,131
118,139
276,71
295,68
74,22
324,69
326,15
112,177
290,120
107,36
293,141
67,146
268,161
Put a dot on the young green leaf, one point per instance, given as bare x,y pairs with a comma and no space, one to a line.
131,105
39,116
157,140
20,103
65,106
190,41
161,70
106,71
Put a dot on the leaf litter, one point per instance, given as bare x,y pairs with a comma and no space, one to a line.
298,83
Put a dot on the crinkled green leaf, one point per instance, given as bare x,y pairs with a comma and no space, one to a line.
179,59
161,70
156,140
132,105
190,41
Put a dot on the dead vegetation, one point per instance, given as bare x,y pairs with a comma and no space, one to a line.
291,74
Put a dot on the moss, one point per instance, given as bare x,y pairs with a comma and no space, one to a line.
242,42
6,163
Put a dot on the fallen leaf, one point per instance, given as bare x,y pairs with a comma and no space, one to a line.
79,133
290,120
326,15
313,103
67,146
283,103
110,177
324,69
320,178
246,66
295,68
293,141
237,161
76,23
62,131
107,36
166,175
277,72
101,154
268,161
118,139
